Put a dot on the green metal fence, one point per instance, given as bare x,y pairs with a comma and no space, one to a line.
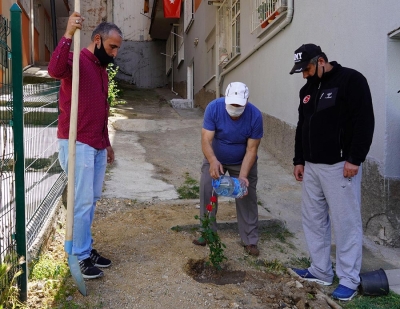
8,245
31,179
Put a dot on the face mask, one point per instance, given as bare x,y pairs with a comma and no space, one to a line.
315,78
234,111
102,55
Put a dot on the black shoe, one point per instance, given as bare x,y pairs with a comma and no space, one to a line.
98,260
88,270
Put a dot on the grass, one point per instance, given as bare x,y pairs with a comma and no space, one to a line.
390,301
190,188
49,268
277,232
301,263
9,294
274,266
57,286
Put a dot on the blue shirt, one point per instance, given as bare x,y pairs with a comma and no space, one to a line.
230,139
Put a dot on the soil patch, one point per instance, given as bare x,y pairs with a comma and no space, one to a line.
155,266
200,271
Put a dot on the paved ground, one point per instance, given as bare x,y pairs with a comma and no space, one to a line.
156,145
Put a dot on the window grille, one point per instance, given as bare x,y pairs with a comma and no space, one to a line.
229,30
188,15
266,12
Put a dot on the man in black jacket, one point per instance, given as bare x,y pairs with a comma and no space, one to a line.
333,136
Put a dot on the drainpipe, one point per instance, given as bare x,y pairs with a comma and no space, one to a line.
54,23
269,36
32,42
217,92
172,77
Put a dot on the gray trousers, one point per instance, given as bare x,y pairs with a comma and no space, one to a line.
246,207
325,190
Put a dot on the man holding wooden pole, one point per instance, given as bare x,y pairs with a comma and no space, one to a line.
93,149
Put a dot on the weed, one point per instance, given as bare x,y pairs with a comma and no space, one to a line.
301,262
274,266
177,228
190,188
9,297
276,231
48,268
280,248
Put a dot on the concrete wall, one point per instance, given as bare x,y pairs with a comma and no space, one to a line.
94,11
127,15
354,33
139,59
198,55
141,64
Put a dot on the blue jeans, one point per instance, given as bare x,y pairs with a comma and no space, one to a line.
90,168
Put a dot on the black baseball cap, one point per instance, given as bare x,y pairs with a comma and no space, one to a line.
303,55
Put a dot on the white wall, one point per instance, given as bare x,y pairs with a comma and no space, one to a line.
354,33
134,25
392,137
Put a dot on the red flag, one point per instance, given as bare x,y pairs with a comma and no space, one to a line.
172,8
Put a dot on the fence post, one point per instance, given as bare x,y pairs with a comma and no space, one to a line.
18,128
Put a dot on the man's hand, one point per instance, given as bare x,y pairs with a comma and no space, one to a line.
110,155
350,170
216,169
246,182
74,22
298,172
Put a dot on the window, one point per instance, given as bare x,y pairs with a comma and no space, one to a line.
210,62
188,15
210,44
229,30
266,12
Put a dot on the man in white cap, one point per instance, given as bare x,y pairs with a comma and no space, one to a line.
231,133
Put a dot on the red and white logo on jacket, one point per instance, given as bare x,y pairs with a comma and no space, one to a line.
306,99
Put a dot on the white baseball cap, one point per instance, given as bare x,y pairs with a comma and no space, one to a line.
236,93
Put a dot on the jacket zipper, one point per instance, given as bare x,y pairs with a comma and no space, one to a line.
315,110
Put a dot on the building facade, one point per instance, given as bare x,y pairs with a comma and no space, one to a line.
253,41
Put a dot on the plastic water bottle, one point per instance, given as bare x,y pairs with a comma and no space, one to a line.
229,186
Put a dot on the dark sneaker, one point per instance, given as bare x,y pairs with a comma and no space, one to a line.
98,260
306,275
252,250
88,270
343,293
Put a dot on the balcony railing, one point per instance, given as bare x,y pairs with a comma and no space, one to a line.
265,12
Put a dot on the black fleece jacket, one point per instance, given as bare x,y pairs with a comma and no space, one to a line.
336,119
